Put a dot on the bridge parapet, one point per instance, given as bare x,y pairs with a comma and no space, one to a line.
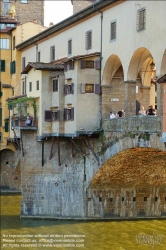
139,123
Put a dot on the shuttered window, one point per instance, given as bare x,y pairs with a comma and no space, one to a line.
97,64
2,65
52,53
113,31
30,86
90,88
6,126
55,85
71,65
13,67
37,85
69,89
24,87
48,115
69,114
141,19
88,39
87,64
23,63
56,115
10,107
69,47
65,67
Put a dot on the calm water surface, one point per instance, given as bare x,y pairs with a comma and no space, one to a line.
44,234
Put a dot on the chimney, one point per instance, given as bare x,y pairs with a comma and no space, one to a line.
51,24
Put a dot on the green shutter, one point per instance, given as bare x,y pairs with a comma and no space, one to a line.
0,116
14,67
2,65
10,106
6,126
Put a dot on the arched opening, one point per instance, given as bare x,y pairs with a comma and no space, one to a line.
142,70
10,176
112,86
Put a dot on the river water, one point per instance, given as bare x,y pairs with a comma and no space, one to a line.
32,234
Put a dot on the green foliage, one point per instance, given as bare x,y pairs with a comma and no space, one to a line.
20,100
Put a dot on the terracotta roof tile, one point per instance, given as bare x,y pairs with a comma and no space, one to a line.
43,66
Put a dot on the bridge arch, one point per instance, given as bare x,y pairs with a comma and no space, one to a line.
131,184
163,67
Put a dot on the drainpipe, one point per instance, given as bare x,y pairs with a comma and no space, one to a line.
36,52
100,76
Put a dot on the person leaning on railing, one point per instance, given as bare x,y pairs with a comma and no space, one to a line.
151,111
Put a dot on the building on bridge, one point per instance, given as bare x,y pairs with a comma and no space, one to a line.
105,57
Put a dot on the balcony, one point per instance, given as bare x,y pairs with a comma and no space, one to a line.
21,124
136,124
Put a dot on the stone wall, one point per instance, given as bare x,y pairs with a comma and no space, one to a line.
58,189
10,174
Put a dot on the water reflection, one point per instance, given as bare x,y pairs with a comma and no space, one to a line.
99,235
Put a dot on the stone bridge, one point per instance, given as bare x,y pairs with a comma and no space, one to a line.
60,186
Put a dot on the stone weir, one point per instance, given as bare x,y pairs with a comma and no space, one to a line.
57,176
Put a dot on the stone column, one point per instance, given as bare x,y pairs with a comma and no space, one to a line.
130,98
159,99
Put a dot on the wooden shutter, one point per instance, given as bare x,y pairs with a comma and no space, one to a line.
97,64
83,64
10,106
72,88
65,89
55,85
2,65
0,116
65,67
6,126
65,114
97,89
58,115
48,115
14,67
83,88
72,114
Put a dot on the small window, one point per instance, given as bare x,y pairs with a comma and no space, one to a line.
87,64
111,199
156,198
69,47
37,85
113,31
88,40
56,115
134,198
2,65
100,199
55,85
52,53
24,1
24,86
30,86
23,63
4,43
89,88
122,198
145,198
71,65
69,89
141,19
69,114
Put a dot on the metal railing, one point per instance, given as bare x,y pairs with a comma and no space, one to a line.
139,123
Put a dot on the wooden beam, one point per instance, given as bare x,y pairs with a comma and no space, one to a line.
42,153
93,152
72,154
21,141
51,148
59,162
